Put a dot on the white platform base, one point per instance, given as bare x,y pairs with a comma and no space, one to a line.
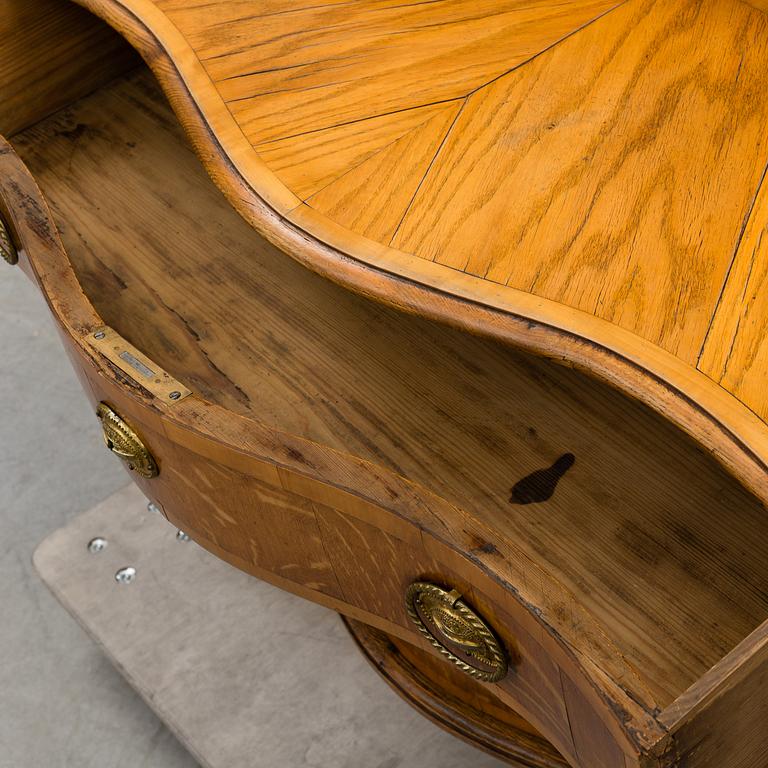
244,674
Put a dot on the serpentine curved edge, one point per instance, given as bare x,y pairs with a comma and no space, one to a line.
714,417
211,431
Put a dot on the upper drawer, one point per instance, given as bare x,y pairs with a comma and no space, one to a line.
345,450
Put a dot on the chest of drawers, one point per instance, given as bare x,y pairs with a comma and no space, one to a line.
510,422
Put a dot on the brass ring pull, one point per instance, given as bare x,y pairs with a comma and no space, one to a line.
7,248
456,631
125,443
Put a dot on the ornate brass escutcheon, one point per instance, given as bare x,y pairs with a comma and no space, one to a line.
125,443
7,248
456,631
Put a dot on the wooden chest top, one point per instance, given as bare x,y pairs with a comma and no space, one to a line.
594,167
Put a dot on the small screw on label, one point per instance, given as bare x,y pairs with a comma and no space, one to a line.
175,395
97,545
99,335
125,575
153,508
181,536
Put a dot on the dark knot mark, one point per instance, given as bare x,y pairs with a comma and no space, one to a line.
541,484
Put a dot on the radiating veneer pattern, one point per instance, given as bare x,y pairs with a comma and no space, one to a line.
285,69
579,180
573,177
629,178
735,353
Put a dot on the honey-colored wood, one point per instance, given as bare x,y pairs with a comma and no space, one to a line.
310,162
645,175
385,448
454,702
328,64
376,209
735,354
582,180
627,200
52,53
502,418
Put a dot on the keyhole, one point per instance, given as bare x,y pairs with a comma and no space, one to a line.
541,484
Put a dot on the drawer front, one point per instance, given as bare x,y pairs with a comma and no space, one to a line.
359,559
330,527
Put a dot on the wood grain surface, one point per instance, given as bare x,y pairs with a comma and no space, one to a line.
630,179
600,199
735,354
211,461
588,200
464,417
284,69
721,720
51,53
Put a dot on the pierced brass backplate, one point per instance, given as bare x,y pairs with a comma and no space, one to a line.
7,248
125,443
456,631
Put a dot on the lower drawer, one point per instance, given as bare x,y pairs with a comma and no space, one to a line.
358,558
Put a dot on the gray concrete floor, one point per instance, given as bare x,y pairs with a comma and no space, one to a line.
61,702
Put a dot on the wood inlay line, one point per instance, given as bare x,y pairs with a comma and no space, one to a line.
548,48
620,269
379,151
361,119
736,249
429,168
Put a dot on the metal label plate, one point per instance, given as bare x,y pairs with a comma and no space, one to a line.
136,365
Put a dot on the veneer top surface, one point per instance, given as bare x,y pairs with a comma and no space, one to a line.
593,166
